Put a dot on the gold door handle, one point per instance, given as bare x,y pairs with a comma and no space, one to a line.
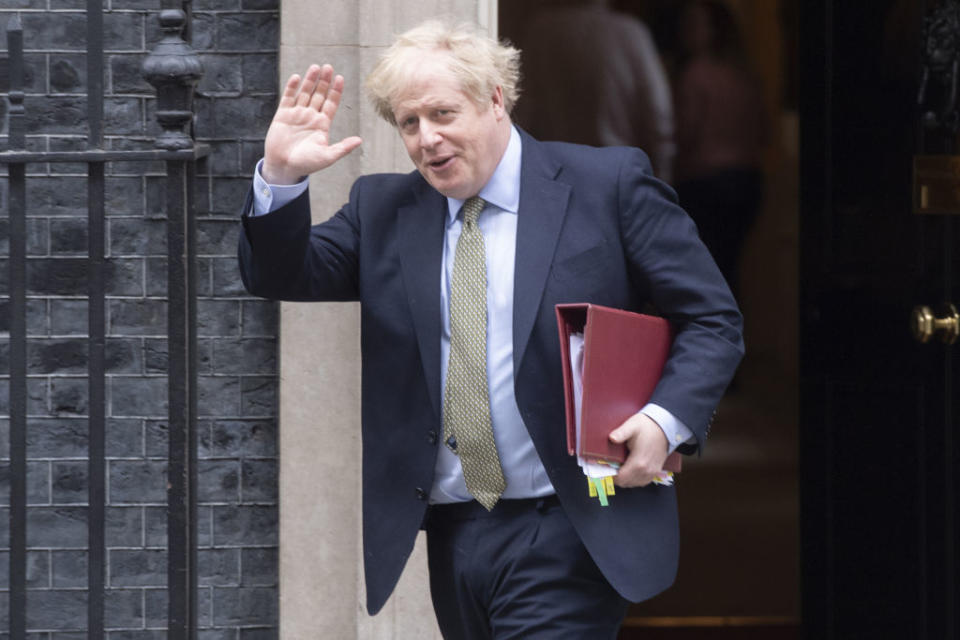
925,324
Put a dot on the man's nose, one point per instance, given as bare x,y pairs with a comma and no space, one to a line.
429,135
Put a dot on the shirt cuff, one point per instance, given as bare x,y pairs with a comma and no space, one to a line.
676,432
270,197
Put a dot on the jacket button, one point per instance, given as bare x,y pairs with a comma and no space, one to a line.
421,494
432,437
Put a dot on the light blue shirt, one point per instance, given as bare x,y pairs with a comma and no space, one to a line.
522,468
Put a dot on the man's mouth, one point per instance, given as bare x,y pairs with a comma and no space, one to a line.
441,163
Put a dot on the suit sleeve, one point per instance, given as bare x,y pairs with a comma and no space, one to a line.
676,272
283,257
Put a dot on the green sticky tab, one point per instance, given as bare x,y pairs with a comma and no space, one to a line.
601,491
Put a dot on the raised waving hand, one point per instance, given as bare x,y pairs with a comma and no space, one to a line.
298,141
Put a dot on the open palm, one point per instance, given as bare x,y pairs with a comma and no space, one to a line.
298,141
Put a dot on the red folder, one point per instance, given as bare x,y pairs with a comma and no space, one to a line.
624,355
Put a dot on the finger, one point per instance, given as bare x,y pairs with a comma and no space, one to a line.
290,91
344,147
308,85
332,102
323,85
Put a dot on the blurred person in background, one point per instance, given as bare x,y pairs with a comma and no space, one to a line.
593,76
721,132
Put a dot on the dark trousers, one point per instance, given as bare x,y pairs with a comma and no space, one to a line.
519,571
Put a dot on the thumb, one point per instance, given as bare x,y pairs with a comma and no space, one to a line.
619,435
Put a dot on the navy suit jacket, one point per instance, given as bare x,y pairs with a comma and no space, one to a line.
594,225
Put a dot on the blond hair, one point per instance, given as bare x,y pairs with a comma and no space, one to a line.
479,62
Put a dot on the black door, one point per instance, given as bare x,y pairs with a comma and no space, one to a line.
878,437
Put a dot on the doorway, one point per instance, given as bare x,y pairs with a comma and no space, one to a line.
739,573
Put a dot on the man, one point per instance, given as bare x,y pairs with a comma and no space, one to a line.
462,398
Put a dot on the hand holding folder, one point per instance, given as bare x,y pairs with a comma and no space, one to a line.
623,358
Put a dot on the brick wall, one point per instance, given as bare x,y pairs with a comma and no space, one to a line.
238,41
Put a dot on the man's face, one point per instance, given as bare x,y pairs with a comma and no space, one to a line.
454,143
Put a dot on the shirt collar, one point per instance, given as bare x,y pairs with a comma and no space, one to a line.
503,188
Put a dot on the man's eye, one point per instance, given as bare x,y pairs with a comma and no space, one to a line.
409,123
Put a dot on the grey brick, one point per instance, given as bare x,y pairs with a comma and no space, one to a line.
226,277
245,606
59,196
123,355
69,569
247,32
57,527
54,31
60,438
245,355
137,482
123,31
123,116
245,524
221,74
155,356
217,237
68,236
68,73
218,318
155,526
156,276
260,73
68,396
138,568
260,634
124,195
60,610
138,317
157,439
123,608
69,482
244,438
223,161
220,567
250,153
4,532
55,114
68,317
259,567
247,116
126,74
132,397
259,396
34,73
142,634
49,276
38,573
57,355
38,237
219,480
37,397
125,277
138,236
260,480
216,5
218,634
260,317
124,437
156,607
219,396
38,483
124,526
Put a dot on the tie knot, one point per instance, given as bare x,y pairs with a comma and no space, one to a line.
471,210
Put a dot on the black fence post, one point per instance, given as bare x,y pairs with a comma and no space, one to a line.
174,69
18,340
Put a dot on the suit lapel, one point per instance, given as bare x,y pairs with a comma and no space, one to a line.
421,226
543,207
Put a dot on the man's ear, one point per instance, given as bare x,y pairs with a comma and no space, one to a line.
499,108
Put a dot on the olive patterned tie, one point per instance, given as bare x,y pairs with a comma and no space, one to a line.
467,428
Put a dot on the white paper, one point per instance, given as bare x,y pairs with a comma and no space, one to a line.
590,469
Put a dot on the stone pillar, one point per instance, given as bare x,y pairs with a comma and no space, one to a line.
321,575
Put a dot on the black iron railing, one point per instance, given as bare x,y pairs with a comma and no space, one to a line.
174,69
